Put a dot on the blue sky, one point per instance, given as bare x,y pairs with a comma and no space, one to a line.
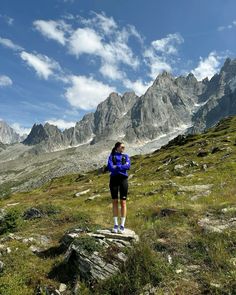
60,58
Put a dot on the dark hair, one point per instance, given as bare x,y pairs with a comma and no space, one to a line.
118,143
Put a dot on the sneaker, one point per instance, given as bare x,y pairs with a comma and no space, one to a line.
115,229
121,229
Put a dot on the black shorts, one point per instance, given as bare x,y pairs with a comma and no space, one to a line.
119,183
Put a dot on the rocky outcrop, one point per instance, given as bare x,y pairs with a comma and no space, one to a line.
97,255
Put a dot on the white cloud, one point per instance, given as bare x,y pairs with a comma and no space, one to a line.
9,44
5,81
19,129
99,36
9,20
42,64
51,29
100,21
62,124
207,67
159,55
111,71
86,93
168,44
85,40
88,41
138,86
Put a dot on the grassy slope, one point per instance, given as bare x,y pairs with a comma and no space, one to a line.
177,235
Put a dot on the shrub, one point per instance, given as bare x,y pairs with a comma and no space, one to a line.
10,221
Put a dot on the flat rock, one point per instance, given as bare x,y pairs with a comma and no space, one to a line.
217,225
195,188
128,234
82,193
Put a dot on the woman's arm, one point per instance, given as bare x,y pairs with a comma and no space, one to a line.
111,167
125,166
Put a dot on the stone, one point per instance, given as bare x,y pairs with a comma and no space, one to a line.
202,153
204,167
82,193
229,209
34,249
93,197
210,224
62,287
168,211
1,266
195,188
148,289
32,213
215,149
193,163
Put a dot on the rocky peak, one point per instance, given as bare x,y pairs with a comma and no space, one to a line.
163,78
36,135
7,134
228,71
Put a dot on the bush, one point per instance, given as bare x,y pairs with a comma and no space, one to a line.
10,221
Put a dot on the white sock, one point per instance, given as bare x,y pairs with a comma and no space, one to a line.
115,220
122,221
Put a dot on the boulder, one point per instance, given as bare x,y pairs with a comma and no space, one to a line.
99,254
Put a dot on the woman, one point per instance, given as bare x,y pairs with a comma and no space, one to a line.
118,164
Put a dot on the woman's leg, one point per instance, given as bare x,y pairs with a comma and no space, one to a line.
115,207
123,208
123,196
114,194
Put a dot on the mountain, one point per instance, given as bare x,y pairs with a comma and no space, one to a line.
219,99
167,104
182,103
8,135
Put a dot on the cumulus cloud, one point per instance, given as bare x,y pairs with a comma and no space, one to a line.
85,40
98,36
159,55
19,129
60,123
9,44
86,93
208,66
5,81
42,64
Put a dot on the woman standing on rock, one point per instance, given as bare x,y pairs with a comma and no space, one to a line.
118,164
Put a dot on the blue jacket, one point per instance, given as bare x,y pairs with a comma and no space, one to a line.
120,169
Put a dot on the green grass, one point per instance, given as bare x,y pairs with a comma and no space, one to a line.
177,234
